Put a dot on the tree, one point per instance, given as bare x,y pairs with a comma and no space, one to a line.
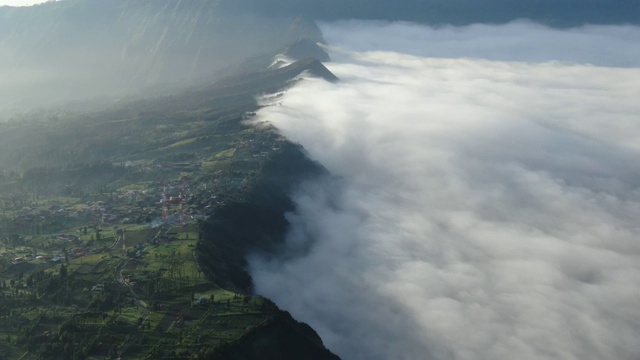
63,272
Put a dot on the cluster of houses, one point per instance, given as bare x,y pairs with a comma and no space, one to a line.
161,203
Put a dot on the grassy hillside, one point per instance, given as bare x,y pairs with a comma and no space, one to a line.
131,224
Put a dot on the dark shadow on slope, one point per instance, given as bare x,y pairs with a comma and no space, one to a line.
255,222
280,337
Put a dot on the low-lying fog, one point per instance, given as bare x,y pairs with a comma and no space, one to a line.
486,198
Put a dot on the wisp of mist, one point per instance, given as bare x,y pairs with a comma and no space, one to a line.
480,206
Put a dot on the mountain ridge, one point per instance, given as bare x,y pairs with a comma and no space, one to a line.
230,174
79,49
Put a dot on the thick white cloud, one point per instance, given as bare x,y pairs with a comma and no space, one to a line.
481,209
516,41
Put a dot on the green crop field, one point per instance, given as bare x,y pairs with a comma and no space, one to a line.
112,268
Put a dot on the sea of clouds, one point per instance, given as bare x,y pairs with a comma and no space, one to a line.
484,202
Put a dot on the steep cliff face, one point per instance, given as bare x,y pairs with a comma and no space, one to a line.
79,48
255,222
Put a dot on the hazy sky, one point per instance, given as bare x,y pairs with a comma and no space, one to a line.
485,203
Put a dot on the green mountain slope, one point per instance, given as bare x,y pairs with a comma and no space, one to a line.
110,220
132,224
60,51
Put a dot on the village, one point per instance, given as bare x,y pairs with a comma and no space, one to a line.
119,262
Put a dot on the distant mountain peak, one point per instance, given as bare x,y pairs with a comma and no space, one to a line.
306,48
